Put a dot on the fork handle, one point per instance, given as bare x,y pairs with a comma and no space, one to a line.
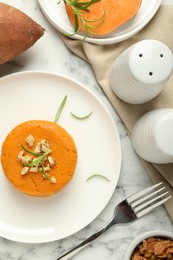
82,245
71,253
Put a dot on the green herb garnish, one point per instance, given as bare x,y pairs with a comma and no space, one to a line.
78,9
44,173
39,161
81,117
28,151
97,175
60,109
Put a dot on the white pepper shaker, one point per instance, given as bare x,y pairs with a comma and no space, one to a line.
141,72
152,136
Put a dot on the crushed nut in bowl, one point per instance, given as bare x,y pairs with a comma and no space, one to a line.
156,245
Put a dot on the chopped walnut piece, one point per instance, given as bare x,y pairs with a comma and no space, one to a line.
24,170
33,169
51,160
47,168
30,140
53,179
27,159
44,148
20,154
44,142
37,148
24,159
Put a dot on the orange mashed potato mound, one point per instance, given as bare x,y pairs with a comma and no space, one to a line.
63,152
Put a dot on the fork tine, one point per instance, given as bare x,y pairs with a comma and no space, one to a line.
148,209
142,193
146,200
139,201
145,204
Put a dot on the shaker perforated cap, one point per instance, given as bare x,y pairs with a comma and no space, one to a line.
141,72
150,61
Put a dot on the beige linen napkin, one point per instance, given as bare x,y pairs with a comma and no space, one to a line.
101,59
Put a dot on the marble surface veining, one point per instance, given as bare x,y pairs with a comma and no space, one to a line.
50,54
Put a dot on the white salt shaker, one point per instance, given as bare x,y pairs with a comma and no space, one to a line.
152,136
140,73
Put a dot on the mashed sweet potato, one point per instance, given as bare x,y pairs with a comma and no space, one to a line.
55,169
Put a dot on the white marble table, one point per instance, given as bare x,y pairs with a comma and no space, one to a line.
50,54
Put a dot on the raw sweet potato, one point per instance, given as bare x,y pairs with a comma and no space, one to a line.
18,32
15,159
117,12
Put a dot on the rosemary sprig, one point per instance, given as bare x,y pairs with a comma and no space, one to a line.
98,175
28,151
39,161
44,173
57,116
79,8
81,117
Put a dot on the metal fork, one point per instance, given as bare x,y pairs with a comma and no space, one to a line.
127,211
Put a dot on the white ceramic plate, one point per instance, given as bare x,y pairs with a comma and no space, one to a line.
57,15
37,95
